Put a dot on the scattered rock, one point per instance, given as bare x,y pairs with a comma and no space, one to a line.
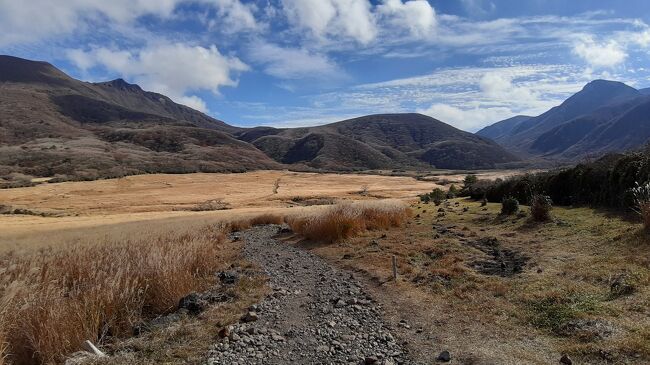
565,360
502,262
444,356
250,317
228,277
371,360
193,302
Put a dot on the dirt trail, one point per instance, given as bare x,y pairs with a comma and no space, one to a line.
316,314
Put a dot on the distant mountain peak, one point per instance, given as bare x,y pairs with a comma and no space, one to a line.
613,86
120,84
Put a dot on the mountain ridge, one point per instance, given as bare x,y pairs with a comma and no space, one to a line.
574,129
54,125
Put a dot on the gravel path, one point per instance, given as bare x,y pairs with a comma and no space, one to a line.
316,314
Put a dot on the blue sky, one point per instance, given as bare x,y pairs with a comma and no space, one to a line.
305,62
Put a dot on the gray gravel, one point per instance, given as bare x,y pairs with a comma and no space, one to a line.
316,314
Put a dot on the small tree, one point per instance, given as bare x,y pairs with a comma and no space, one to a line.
540,207
470,180
452,192
437,195
509,206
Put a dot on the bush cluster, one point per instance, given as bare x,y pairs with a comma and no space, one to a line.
607,182
436,196
540,207
509,206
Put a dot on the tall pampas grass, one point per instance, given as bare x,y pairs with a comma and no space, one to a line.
345,220
54,299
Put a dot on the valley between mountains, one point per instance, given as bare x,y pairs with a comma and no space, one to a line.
135,230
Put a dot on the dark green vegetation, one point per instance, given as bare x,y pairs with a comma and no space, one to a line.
509,206
606,182
52,125
605,116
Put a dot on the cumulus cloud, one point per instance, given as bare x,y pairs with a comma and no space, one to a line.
234,16
499,86
175,70
600,54
470,119
337,18
294,63
34,20
416,16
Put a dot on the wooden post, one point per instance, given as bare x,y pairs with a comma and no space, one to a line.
394,268
88,346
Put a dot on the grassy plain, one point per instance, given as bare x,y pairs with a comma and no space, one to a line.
159,201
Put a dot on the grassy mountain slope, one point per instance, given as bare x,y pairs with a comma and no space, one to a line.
52,124
379,141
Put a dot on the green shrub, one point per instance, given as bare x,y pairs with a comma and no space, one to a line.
437,196
509,206
555,312
452,192
470,180
540,207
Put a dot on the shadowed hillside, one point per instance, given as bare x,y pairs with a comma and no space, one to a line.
605,116
379,141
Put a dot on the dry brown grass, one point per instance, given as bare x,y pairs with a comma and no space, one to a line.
54,299
348,219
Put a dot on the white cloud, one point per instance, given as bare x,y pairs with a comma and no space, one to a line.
468,98
171,69
294,63
234,16
470,119
193,102
337,18
478,8
26,21
604,54
34,20
416,16
499,86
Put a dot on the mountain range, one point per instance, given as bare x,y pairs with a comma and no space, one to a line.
54,125
605,116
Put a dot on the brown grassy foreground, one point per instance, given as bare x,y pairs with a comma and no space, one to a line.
53,299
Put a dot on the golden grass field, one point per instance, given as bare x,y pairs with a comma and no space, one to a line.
154,202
